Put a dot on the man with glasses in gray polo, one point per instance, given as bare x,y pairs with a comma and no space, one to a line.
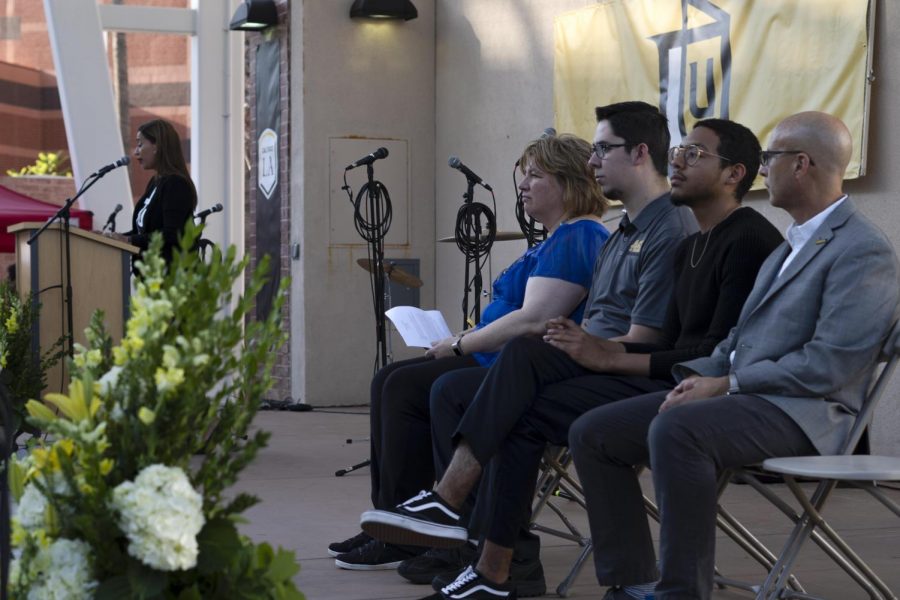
538,387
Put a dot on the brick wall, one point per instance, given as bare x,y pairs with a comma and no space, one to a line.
30,114
282,370
55,190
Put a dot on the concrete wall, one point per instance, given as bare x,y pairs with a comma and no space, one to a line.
473,79
353,79
494,93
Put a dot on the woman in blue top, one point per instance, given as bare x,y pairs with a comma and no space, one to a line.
559,191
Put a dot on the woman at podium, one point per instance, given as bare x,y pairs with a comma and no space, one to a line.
170,198
559,191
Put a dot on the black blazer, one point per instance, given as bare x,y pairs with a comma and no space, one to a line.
169,209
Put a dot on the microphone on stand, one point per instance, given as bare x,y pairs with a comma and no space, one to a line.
205,213
459,166
369,159
548,132
115,165
111,221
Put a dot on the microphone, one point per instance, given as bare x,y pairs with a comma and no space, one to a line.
119,163
549,132
205,213
369,159
111,221
459,166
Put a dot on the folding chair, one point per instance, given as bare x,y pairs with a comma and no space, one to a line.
554,481
780,583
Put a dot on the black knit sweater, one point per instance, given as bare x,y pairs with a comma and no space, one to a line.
709,295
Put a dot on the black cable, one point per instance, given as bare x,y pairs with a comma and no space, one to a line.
534,234
372,227
476,227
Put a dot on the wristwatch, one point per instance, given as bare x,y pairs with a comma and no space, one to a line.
733,387
457,347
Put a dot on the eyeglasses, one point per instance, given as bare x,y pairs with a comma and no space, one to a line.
601,149
691,154
766,156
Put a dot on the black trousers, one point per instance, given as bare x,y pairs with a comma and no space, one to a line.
529,398
686,447
400,429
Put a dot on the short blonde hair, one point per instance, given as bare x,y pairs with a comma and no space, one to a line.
566,158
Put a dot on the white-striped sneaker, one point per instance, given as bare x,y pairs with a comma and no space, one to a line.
424,520
472,585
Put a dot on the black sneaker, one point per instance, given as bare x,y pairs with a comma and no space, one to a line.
424,520
527,577
373,556
360,539
472,585
617,593
437,561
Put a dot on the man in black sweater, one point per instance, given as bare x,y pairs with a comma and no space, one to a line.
537,388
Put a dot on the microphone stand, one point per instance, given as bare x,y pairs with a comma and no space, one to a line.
373,227
65,214
376,243
203,243
473,245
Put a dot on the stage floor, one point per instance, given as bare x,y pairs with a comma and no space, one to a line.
305,507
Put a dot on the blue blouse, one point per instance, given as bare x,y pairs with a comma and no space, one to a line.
569,254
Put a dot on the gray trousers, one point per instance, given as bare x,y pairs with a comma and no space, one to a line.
686,447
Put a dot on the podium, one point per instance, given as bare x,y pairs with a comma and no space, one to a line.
101,279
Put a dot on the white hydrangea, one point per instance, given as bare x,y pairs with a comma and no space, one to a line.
31,508
161,514
65,572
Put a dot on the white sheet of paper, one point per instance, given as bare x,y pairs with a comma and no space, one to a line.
417,327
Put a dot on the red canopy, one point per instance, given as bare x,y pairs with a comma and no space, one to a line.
18,208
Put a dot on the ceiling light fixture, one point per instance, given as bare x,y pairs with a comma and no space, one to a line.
254,15
383,9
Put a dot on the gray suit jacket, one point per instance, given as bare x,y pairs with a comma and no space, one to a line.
807,341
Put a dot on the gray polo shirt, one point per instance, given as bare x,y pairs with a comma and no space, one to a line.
634,275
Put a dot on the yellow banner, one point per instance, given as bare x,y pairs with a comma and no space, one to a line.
751,61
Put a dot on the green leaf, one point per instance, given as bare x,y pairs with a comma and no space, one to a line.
283,566
145,581
191,593
219,542
288,591
113,588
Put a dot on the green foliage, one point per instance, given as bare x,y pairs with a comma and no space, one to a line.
187,377
47,163
23,372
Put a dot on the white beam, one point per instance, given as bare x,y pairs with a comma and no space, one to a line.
86,95
148,19
217,119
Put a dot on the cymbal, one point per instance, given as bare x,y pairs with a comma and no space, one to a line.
502,236
393,272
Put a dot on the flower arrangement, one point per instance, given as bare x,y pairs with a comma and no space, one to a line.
114,495
23,373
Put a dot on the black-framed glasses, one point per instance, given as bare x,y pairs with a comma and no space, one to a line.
691,154
601,149
766,156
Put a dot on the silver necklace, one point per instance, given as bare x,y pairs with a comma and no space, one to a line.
709,233
702,252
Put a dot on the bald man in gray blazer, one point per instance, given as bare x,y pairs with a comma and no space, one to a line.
788,380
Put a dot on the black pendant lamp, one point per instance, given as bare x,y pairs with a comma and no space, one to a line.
383,9
254,15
